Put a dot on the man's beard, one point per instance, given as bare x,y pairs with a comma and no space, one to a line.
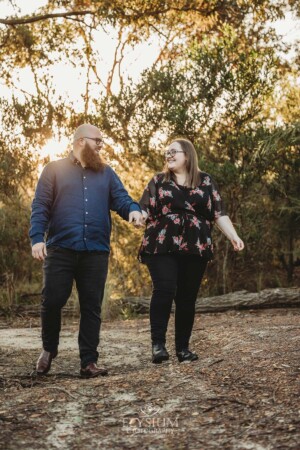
91,159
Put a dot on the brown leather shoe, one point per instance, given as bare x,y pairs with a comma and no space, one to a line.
91,371
44,362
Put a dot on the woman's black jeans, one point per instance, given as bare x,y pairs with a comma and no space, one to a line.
89,270
174,277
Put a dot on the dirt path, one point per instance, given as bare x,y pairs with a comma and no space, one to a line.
242,394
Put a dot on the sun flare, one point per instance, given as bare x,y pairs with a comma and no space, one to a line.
54,148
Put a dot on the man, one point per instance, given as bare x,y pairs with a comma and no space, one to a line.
72,206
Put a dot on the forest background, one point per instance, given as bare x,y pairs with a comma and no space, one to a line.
216,72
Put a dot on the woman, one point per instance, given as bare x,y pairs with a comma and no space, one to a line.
179,207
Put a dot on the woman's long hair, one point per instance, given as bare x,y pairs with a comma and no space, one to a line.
193,172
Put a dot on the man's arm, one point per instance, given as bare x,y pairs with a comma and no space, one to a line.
41,209
122,203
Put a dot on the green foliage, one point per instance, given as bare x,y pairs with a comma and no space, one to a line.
15,257
214,89
217,80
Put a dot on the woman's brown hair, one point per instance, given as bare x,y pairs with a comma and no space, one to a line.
193,172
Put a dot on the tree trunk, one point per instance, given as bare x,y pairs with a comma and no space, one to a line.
268,298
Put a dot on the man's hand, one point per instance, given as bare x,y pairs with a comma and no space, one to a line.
136,218
39,251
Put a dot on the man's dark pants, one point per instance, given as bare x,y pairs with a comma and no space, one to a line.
89,270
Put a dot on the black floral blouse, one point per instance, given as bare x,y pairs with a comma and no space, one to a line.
180,219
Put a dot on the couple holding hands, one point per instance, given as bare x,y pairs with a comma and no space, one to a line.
70,233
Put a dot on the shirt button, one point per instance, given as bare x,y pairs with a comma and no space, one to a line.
86,212
85,239
85,225
85,188
86,200
84,177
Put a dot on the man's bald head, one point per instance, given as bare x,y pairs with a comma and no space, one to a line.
87,145
87,130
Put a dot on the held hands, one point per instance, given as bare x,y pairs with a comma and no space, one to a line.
39,251
238,244
137,219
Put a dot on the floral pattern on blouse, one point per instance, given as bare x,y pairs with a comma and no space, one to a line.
180,219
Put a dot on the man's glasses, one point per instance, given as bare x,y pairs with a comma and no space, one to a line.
172,152
97,140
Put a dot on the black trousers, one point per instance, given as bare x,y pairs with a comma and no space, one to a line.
174,277
89,270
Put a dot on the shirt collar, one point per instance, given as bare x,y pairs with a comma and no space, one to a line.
73,159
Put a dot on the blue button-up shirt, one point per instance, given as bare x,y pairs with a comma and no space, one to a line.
72,206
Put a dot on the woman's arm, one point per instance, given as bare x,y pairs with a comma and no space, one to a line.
225,225
148,200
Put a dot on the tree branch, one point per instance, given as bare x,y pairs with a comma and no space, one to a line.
88,53
24,20
135,14
115,62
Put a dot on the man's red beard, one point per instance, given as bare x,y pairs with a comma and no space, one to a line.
91,158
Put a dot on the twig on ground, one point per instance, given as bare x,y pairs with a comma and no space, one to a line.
212,407
62,390
216,362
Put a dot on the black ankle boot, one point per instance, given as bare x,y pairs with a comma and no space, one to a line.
159,353
186,355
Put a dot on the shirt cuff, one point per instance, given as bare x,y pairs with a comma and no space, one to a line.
36,239
134,207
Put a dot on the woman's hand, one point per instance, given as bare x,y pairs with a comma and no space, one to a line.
226,226
144,217
238,244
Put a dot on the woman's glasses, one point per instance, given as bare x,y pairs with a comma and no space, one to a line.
172,152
